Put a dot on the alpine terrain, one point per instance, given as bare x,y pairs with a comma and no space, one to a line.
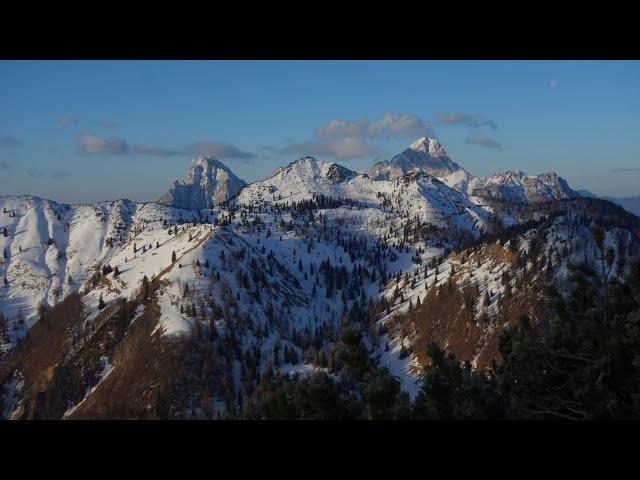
416,290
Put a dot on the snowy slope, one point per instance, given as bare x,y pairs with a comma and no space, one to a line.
424,155
266,271
428,156
520,187
53,249
413,195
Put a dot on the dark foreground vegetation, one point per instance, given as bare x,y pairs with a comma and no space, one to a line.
584,363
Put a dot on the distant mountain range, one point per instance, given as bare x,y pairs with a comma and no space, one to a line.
209,182
197,305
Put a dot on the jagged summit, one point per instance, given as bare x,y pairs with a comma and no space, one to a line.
428,145
209,182
311,167
427,155
424,155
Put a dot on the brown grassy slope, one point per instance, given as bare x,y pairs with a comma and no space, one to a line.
144,366
60,360
445,315
40,353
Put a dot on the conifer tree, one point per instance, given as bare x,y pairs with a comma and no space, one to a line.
145,287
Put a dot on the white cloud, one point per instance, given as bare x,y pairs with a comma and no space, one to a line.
340,148
484,142
468,119
219,149
90,144
96,145
343,128
405,125
345,139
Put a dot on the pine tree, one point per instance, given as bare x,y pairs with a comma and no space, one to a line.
381,394
145,287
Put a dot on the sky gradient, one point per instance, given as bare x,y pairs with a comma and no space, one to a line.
83,131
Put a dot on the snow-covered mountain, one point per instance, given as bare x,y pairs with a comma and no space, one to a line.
520,187
416,194
424,155
428,156
209,182
53,249
232,292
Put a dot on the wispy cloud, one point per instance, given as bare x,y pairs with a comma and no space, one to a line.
400,124
349,139
155,151
66,120
108,124
90,144
553,83
390,124
219,149
4,166
343,128
466,119
55,175
35,173
9,141
484,142
58,174
626,169
340,148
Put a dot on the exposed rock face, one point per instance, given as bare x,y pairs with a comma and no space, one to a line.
208,183
428,156
424,155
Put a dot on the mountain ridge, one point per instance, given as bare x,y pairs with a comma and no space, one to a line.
262,285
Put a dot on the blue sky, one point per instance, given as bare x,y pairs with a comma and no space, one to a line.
81,131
